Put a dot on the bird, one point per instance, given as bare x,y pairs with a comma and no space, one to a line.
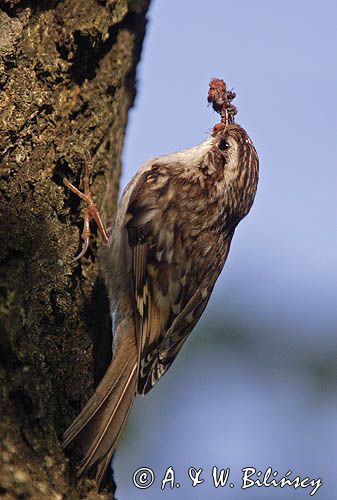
169,242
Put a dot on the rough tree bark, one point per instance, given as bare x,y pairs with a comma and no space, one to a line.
67,79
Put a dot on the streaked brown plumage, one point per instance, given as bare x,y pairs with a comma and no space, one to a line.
171,238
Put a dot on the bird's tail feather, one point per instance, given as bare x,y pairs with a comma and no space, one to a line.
99,425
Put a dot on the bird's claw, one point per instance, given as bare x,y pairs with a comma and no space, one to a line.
91,212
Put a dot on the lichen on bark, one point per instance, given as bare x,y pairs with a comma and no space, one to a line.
67,81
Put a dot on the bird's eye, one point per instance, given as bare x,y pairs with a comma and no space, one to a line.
223,145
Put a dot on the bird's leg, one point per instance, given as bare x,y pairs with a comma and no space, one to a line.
91,212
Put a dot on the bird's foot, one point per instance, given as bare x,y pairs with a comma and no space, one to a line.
91,211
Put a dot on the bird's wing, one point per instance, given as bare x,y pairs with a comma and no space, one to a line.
174,338
160,268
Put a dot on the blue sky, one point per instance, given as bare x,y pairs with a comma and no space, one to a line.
280,281
280,59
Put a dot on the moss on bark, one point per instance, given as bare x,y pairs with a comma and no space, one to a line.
67,80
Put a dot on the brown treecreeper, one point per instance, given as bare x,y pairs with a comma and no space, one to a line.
169,243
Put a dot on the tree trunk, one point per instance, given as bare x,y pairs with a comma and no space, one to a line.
67,76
